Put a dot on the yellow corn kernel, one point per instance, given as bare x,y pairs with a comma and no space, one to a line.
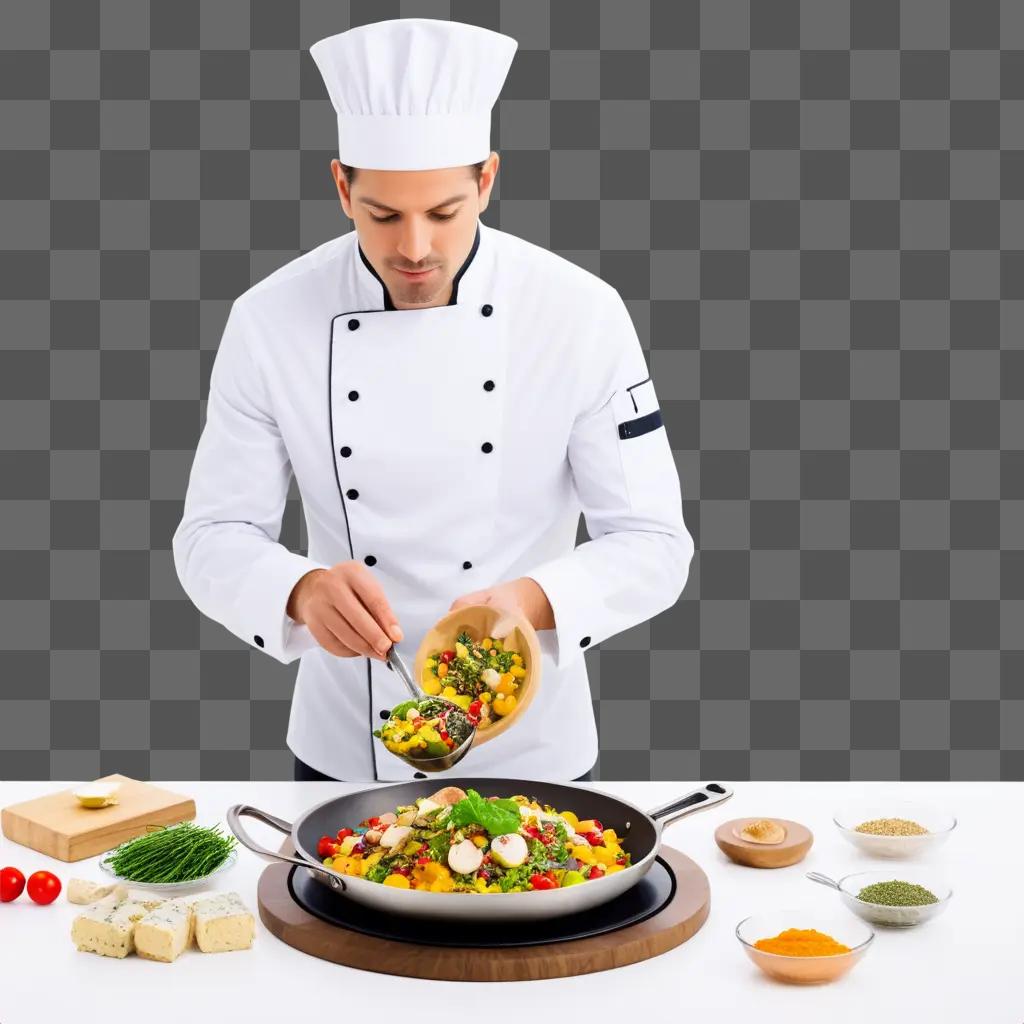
431,685
397,881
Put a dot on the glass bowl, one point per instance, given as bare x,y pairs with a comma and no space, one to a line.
804,970
938,822
894,917
170,887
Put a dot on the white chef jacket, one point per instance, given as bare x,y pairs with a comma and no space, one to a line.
452,448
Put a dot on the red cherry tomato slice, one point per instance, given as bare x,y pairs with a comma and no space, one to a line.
43,887
542,882
12,884
326,846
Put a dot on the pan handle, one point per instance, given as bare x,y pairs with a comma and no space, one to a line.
708,795
238,811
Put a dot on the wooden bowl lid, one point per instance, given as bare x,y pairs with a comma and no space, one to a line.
792,849
478,621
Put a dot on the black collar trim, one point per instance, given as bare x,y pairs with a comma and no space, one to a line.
389,305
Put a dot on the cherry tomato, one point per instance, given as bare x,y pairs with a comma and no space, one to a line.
594,838
326,846
533,831
43,887
542,882
475,706
344,833
596,871
12,884
598,827
446,656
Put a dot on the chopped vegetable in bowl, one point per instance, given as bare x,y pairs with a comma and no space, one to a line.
482,676
460,842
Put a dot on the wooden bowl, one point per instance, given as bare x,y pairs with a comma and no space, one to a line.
479,620
792,849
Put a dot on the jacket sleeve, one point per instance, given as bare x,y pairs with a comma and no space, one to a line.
637,561
226,549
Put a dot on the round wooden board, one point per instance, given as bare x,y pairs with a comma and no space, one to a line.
670,927
758,855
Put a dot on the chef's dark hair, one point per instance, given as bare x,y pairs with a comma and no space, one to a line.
350,172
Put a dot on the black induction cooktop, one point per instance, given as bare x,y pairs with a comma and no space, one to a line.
654,891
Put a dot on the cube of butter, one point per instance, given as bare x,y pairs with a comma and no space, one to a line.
223,923
165,932
107,926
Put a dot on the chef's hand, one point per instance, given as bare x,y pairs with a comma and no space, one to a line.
524,595
346,611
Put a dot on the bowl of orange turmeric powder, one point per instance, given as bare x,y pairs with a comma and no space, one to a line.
803,947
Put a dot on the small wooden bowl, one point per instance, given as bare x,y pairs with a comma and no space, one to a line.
478,621
760,855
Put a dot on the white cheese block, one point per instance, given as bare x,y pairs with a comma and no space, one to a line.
107,926
223,923
165,932
150,900
82,891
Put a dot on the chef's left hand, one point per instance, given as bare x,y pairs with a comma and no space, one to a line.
523,595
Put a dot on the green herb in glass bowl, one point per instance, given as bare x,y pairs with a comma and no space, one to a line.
172,855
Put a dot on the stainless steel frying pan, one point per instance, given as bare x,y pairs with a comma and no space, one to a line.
640,832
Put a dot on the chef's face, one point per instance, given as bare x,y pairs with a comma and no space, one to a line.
416,221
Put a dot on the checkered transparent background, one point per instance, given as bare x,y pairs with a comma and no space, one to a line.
815,212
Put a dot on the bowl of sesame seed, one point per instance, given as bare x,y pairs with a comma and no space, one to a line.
893,828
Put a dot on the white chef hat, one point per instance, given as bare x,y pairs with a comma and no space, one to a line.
414,93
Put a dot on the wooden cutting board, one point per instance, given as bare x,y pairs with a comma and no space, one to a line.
58,826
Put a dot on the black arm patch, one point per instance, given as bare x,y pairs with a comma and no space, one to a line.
643,425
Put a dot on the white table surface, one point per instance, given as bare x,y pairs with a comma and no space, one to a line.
965,966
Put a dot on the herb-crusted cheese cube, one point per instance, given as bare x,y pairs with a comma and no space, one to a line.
165,932
223,923
107,926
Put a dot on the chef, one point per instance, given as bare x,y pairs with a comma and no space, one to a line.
448,398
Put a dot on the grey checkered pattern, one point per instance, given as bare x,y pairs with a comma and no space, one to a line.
815,212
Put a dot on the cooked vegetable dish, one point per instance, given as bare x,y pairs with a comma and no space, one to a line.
481,676
457,841
424,728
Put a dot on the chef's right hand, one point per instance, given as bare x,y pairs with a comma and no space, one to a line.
346,611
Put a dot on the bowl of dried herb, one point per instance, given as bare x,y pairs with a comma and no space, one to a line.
894,899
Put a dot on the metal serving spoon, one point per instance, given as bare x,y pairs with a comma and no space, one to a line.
428,764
